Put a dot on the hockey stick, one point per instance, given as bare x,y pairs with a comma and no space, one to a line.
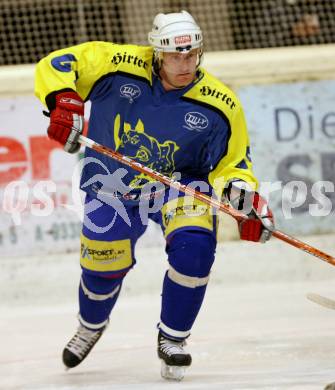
320,300
200,196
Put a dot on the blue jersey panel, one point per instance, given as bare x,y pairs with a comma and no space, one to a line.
156,128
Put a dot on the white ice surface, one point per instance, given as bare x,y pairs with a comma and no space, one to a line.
256,329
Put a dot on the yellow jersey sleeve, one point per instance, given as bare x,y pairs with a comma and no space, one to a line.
236,162
80,67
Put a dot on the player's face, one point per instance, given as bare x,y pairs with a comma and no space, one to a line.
178,69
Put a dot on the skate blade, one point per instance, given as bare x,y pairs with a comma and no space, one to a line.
173,373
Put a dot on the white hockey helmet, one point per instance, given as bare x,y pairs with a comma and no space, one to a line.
175,32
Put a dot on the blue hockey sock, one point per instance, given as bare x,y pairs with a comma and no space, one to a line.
97,297
191,255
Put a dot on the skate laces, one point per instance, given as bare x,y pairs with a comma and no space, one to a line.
171,347
82,341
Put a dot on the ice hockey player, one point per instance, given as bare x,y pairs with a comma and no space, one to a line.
157,105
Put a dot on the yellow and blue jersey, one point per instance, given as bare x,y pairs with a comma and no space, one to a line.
199,130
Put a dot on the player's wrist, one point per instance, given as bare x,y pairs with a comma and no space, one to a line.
240,195
50,99
70,101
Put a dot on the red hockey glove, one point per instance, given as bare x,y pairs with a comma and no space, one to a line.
67,120
260,223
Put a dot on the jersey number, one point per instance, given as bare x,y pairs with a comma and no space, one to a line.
63,63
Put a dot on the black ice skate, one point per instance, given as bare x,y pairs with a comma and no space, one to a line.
80,345
174,358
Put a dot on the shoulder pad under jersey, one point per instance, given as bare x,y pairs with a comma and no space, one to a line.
132,59
213,93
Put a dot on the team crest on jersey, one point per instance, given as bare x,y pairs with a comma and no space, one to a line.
196,121
130,91
139,146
